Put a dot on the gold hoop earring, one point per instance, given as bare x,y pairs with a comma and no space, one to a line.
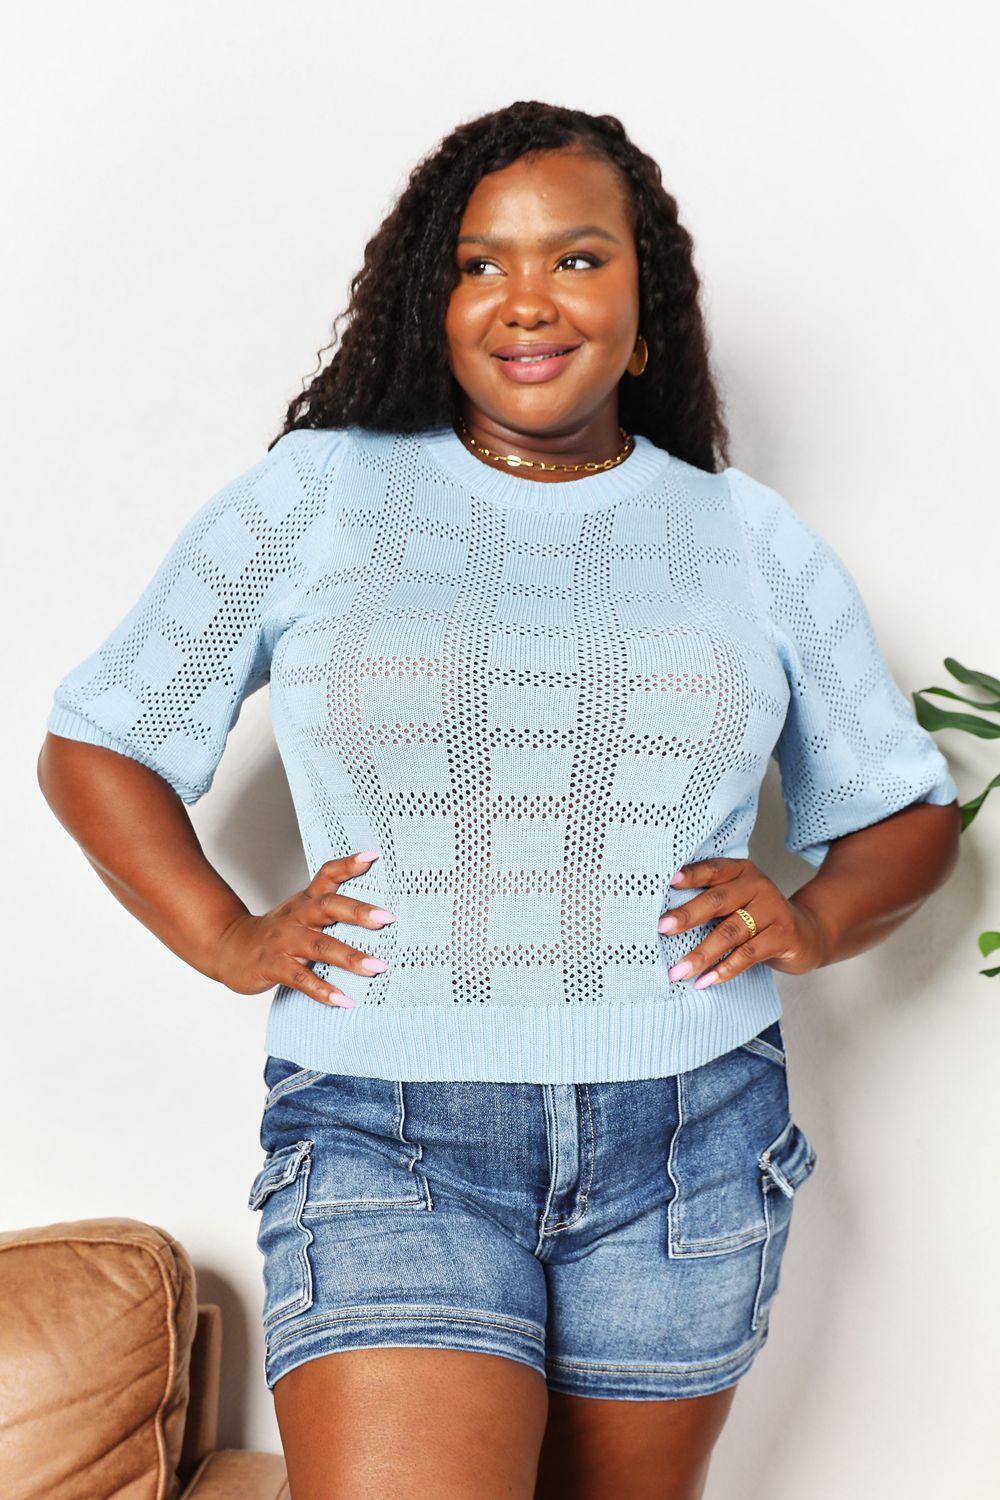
638,357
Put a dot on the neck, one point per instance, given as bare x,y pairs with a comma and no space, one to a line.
592,444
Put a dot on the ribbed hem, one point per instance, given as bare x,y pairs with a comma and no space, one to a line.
73,726
943,792
560,1043
645,464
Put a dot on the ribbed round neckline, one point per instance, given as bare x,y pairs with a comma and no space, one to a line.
645,463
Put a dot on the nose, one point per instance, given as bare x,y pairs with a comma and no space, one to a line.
527,302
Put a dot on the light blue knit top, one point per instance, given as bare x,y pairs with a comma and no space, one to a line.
537,701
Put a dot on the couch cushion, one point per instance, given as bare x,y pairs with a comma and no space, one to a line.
97,1322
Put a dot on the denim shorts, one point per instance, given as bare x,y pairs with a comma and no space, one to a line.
624,1239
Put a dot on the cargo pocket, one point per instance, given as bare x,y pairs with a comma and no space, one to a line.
725,1110
364,1160
784,1167
360,1173
279,1192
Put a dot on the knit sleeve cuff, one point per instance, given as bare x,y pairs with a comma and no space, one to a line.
73,726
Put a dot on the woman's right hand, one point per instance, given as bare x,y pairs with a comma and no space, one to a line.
258,952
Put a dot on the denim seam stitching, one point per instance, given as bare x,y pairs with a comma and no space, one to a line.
420,1178
289,1085
765,1049
303,1300
672,1207
597,1366
764,1247
418,1314
552,1135
584,1192
328,1208
740,1239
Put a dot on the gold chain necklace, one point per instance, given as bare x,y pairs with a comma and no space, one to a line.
515,462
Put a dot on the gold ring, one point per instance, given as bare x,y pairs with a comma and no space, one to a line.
748,919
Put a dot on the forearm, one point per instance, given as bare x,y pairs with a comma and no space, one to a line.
872,880
138,835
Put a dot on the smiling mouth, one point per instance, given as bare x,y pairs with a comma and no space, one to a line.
532,359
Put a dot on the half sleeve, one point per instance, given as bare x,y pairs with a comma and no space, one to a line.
851,751
167,685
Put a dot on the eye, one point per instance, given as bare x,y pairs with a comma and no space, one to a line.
590,260
471,266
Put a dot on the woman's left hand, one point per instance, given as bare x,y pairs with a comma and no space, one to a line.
788,935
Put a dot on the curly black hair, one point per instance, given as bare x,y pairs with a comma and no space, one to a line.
390,372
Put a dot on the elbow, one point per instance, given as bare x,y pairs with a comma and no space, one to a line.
65,772
943,829
57,773
953,846
43,769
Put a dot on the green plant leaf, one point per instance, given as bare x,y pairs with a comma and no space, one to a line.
990,973
990,708
989,942
970,808
971,678
932,717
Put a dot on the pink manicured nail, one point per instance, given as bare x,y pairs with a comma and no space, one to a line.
668,924
706,979
373,965
679,970
379,914
678,878
367,854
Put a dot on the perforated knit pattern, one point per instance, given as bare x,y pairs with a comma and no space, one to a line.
536,701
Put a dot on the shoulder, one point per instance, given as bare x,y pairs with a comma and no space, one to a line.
801,571
300,465
759,503
686,479
777,534
312,450
321,452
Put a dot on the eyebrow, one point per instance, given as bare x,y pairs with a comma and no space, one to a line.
579,232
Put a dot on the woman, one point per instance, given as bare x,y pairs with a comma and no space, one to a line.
529,1164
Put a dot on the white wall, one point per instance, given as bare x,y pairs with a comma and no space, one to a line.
187,190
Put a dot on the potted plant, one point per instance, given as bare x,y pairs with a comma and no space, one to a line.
933,717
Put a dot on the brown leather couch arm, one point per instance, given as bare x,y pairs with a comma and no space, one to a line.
97,1321
201,1428
109,1371
236,1474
